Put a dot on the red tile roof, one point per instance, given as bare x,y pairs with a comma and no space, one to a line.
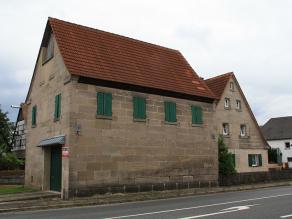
102,55
217,84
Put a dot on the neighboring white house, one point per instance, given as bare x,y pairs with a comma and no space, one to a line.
278,133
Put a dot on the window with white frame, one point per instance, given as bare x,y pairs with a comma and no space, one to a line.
255,160
227,103
287,145
225,129
243,130
231,86
49,50
238,104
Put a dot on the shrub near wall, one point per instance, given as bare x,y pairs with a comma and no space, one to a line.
255,177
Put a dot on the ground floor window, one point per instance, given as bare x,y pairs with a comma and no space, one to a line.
255,160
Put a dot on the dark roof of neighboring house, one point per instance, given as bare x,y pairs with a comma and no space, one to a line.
278,128
106,56
217,84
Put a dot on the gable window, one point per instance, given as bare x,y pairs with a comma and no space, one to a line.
225,130
197,115
104,104
139,108
170,111
49,50
57,112
287,145
255,160
238,104
34,116
243,130
231,86
227,103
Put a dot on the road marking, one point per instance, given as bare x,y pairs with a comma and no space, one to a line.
224,211
286,216
200,206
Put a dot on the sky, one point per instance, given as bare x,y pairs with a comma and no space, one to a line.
250,38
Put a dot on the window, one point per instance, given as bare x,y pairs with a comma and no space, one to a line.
289,159
225,127
255,160
139,108
243,130
170,111
197,115
231,86
49,50
287,145
34,116
57,113
227,103
238,104
104,104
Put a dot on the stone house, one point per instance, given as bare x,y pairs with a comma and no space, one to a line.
278,133
107,113
234,119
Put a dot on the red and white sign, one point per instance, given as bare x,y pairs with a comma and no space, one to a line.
65,151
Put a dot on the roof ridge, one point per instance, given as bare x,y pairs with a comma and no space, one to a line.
220,76
118,35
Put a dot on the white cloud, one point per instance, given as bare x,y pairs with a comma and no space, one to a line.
251,38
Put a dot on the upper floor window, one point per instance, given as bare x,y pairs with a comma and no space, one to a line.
34,116
243,130
227,103
197,115
49,50
57,113
231,85
104,104
139,108
287,145
225,130
238,104
170,111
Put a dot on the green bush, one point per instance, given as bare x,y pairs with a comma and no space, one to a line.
226,160
8,161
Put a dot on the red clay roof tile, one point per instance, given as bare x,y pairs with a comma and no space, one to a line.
217,84
102,55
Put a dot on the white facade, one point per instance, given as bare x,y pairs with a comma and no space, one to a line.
285,150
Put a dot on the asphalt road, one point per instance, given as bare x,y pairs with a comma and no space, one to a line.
263,203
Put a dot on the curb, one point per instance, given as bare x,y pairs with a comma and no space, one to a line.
142,196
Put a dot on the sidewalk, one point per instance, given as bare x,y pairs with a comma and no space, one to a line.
48,200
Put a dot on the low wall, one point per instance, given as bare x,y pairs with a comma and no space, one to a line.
255,177
11,177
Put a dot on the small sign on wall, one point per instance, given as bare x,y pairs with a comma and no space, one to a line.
65,151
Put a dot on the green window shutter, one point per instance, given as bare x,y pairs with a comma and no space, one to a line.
197,115
260,160
57,113
33,116
139,108
100,104
107,104
250,160
170,111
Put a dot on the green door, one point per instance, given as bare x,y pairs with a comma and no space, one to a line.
56,172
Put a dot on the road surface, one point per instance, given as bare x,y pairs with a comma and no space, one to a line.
262,203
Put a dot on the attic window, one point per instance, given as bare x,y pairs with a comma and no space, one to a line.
231,86
49,50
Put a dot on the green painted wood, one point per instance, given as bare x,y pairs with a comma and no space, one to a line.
170,111
139,107
100,104
107,104
260,160
197,115
57,113
56,168
250,160
34,116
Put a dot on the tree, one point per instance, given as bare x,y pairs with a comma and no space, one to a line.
226,160
6,132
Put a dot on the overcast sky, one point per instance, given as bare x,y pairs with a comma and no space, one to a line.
251,38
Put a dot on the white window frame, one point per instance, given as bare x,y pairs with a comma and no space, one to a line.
225,129
227,103
255,160
238,104
231,85
243,130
